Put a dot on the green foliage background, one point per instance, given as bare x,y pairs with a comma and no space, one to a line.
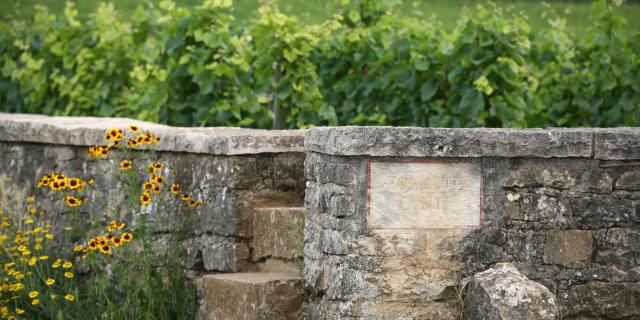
365,65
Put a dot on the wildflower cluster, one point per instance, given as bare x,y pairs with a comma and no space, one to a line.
28,278
114,136
58,182
106,243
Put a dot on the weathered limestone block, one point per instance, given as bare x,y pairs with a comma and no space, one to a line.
225,256
538,175
602,212
629,180
571,248
537,207
502,292
250,296
602,300
595,181
617,143
278,233
288,171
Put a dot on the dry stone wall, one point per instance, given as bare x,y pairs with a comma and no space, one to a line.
397,219
563,206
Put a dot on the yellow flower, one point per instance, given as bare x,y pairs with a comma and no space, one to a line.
193,203
56,264
37,246
185,197
157,165
156,189
77,248
33,261
35,302
147,186
126,164
31,199
134,128
158,179
68,275
75,183
54,296
48,236
72,201
175,189
28,221
106,249
33,294
126,237
145,198
69,297
19,311
12,318
114,134
50,281
116,241
44,257
67,265
67,228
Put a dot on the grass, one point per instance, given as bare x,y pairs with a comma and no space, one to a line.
315,11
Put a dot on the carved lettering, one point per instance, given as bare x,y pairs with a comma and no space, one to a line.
424,195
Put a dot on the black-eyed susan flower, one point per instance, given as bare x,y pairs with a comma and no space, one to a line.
175,189
185,197
120,225
145,198
147,185
146,138
116,241
126,237
133,128
69,297
106,249
75,184
126,164
72,201
93,244
157,165
132,143
156,189
104,152
193,203
114,134
158,179
89,181
156,138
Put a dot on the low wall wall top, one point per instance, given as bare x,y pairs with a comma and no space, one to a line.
606,144
85,131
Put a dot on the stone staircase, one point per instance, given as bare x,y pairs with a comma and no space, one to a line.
270,286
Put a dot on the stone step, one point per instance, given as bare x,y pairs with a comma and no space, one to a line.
278,233
260,295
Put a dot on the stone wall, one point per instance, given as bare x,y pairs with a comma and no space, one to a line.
562,205
231,170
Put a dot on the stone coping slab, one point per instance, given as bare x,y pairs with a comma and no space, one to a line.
599,143
85,131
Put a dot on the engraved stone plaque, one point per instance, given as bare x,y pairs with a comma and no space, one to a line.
408,195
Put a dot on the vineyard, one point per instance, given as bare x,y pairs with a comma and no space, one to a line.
364,66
